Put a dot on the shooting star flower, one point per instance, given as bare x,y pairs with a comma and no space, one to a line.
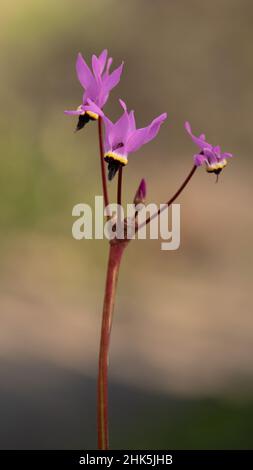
122,138
210,156
97,85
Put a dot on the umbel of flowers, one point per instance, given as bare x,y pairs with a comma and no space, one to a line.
117,141
122,137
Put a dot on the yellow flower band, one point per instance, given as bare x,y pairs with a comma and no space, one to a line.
116,157
216,166
92,115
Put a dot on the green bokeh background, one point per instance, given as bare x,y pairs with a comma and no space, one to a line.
181,358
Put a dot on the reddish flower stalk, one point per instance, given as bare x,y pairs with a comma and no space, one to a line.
171,200
102,162
115,254
119,191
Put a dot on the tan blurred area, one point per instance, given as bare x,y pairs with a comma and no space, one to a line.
183,320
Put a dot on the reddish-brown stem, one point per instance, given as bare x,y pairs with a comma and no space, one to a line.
102,162
171,200
119,191
115,255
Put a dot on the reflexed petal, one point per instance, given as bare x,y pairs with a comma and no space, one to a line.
144,135
199,159
92,92
76,112
188,128
112,80
84,74
109,133
108,66
96,68
121,127
123,105
226,155
137,139
102,97
102,60
132,125
197,140
217,149
155,125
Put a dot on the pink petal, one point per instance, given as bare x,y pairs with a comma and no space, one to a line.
109,127
109,63
102,97
84,74
102,60
120,129
132,125
199,160
226,155
217,149
136,139
96,68
123,104
112,80
197,140
76,112
144,135
155,125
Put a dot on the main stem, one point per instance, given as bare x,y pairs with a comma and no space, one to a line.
115,255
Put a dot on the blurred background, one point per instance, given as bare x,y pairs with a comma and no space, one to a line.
181,372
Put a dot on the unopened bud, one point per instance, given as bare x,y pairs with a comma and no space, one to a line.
141,192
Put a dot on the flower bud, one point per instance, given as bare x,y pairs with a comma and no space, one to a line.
141,192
